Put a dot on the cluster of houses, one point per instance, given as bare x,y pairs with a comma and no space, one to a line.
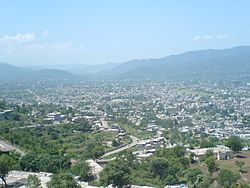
54,117
147,148
212,108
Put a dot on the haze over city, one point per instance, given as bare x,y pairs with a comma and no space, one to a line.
44,33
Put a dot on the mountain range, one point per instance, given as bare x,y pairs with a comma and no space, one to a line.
233,63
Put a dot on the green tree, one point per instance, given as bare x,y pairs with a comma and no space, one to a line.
159,167
97,152
117,172
211,164
29,163
63,180
194,176
174,152
33,182
115,143
235,143
227,178
205,183
83,170
206,144
6,164
44,162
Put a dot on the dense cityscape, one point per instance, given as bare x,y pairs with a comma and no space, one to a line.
95,122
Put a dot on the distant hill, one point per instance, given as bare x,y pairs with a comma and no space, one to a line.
86,69
12,73
227,64
78,69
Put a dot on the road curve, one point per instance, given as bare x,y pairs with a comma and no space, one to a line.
134,142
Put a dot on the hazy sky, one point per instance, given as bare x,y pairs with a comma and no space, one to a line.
108,31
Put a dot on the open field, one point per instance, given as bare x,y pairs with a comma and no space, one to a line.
230,164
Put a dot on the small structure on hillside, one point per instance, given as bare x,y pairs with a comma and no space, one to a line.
220,152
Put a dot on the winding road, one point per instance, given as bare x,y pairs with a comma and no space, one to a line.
134,142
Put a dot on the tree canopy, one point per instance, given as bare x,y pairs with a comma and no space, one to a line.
211,164
63,180
227,178
235,143
83,170
6,164
118,172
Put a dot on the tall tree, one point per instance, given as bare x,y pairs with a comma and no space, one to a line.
211,164
194,176
83,170
118,172
6,164
63,180
97,152
159,167
235,143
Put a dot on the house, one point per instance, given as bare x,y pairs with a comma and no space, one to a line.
220,152
54,117
48,120
223,155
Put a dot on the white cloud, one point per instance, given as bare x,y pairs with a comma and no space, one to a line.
18,38
224,36
47,46
203,37
197,38
213,37
27,44
46,33
207,37
60,47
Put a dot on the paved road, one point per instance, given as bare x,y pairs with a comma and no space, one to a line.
27,126
8,147
34,126
135,141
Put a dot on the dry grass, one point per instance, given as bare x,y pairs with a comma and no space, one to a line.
230,164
